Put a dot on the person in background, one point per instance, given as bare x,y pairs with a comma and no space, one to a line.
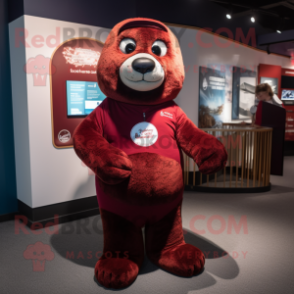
263,93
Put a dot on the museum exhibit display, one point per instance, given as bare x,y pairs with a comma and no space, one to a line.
211,97
243,93
74,89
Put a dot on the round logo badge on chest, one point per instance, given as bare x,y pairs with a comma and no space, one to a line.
144,134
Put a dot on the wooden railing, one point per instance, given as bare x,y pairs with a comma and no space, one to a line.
249,159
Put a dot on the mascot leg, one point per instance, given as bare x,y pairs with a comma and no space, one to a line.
165,246
123,252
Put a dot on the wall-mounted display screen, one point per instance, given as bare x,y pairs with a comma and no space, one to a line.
82,97
288,95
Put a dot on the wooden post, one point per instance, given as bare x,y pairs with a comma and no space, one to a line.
260,159
248,159
243,157
194,164
187,170
264,158
254,158
231,163
225,168
237,158
270,154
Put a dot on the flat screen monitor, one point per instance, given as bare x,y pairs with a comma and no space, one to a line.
288,95
82,97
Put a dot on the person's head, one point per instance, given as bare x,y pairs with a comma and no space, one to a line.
264,92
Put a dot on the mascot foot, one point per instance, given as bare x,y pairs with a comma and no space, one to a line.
185,260
116,273
166,247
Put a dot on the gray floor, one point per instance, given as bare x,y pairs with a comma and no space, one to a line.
257,257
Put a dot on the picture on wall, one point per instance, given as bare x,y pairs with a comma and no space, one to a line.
273,82
211,97
243,97
227,69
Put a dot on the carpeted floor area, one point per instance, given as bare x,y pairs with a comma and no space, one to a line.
247,239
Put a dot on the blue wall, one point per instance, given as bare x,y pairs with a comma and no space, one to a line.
8,201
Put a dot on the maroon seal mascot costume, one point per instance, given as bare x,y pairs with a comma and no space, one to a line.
133,143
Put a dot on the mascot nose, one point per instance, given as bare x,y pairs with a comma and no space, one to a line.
143,65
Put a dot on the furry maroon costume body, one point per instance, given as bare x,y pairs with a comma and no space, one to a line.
133,143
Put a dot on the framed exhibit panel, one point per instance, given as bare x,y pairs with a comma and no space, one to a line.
211,97
74,89
243,93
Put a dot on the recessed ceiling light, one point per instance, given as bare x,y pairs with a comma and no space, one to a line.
253,19
228,16
281,25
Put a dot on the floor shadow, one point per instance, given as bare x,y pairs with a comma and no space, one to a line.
218,261
276,189
81,242
168,284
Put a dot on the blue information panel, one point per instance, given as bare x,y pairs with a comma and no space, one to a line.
288,95
82,97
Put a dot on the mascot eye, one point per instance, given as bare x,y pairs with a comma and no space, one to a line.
127,46
159,48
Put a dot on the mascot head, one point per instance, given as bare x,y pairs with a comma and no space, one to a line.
141,63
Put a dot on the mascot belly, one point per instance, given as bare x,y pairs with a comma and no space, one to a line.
155,185
133,144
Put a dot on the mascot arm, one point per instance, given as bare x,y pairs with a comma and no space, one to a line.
207,151
110,164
